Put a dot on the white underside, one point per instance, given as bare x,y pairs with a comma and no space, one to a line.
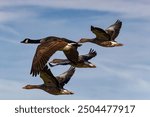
113,43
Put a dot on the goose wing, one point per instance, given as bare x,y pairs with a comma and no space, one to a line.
100,33
92,53
72,54
48,78
66,76
43,52
114,29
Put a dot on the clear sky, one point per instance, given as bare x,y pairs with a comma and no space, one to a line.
121,73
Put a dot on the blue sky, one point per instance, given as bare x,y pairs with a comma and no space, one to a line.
121,73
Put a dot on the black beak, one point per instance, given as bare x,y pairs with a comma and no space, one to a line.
21,42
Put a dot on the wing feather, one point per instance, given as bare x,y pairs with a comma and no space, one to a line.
114,29
48,78
66,76
72,54
92,53
43,52
100,33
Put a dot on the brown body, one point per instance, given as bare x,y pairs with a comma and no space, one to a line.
48,46
83,61
53,85
105,38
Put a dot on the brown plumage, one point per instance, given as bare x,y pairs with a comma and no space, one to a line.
53,85
48,46
105,38
83,61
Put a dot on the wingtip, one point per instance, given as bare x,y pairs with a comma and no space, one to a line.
92,27
118,21
93,51
33,74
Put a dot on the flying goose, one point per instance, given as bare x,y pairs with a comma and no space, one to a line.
105,38
84,58
53,85
48,46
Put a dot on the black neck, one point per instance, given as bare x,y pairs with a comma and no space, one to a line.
34,41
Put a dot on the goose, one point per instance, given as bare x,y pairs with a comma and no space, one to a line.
47,47
105,38
86,64
53,85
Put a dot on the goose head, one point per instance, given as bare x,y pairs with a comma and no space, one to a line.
26,41
31,87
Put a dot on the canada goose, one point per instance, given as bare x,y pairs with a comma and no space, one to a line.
48,46
105,38
84,63
53,85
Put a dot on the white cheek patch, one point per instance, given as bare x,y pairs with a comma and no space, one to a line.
26,41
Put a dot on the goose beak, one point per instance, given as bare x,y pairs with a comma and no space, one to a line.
24,87
21,41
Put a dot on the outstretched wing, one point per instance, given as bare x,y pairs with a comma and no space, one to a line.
114,29
100,33
48,78
66,76
92,53
43,52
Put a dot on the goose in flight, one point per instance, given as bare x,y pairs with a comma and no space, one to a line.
53,85
47,47
85,64
105,38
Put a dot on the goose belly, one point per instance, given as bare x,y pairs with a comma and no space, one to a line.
113,43
108,44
